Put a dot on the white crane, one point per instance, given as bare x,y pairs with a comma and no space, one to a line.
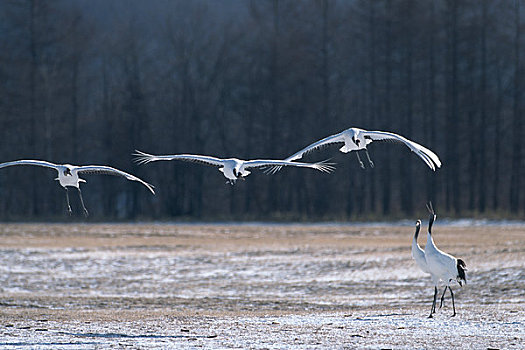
232,168
417,252
419,256
68,175
355,139
442,265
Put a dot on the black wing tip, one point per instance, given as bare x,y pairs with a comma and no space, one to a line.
462,268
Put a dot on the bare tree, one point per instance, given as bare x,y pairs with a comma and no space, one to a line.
517,124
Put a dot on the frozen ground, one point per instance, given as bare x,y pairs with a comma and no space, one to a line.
254,286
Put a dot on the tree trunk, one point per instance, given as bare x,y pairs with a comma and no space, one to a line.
453,172
32,102
517,124
482,160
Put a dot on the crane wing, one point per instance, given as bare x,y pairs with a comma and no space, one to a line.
273,164
329,140
144,158
107,170
41,163
333,139
429,157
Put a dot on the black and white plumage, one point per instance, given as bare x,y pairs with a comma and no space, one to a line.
418,254
442,265
355,139
232,168
68,175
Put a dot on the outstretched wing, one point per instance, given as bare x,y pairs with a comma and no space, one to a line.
107,170
333,139
429,157
42,163
330,140
144,158
272,164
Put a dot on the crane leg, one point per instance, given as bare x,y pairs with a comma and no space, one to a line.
368,157
443,297
453,306
359,160
433,309
86,213
67,202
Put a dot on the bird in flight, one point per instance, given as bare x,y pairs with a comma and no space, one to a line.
355,139
68,175
442,265
233,169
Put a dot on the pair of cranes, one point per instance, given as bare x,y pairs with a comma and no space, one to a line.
440,265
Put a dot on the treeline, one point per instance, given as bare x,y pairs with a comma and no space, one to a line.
87,82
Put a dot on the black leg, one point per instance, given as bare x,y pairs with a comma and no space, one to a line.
368,157
434,302
443,297
359,159
67,201
435,299
453,306
86,213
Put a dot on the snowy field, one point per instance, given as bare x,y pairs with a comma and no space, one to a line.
254,286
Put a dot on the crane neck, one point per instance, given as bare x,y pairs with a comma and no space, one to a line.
430,223
415,246
430,242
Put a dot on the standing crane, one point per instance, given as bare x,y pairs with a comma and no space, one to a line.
442,265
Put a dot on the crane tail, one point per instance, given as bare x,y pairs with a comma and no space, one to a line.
462,268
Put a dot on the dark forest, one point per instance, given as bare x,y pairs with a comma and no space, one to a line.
88,82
